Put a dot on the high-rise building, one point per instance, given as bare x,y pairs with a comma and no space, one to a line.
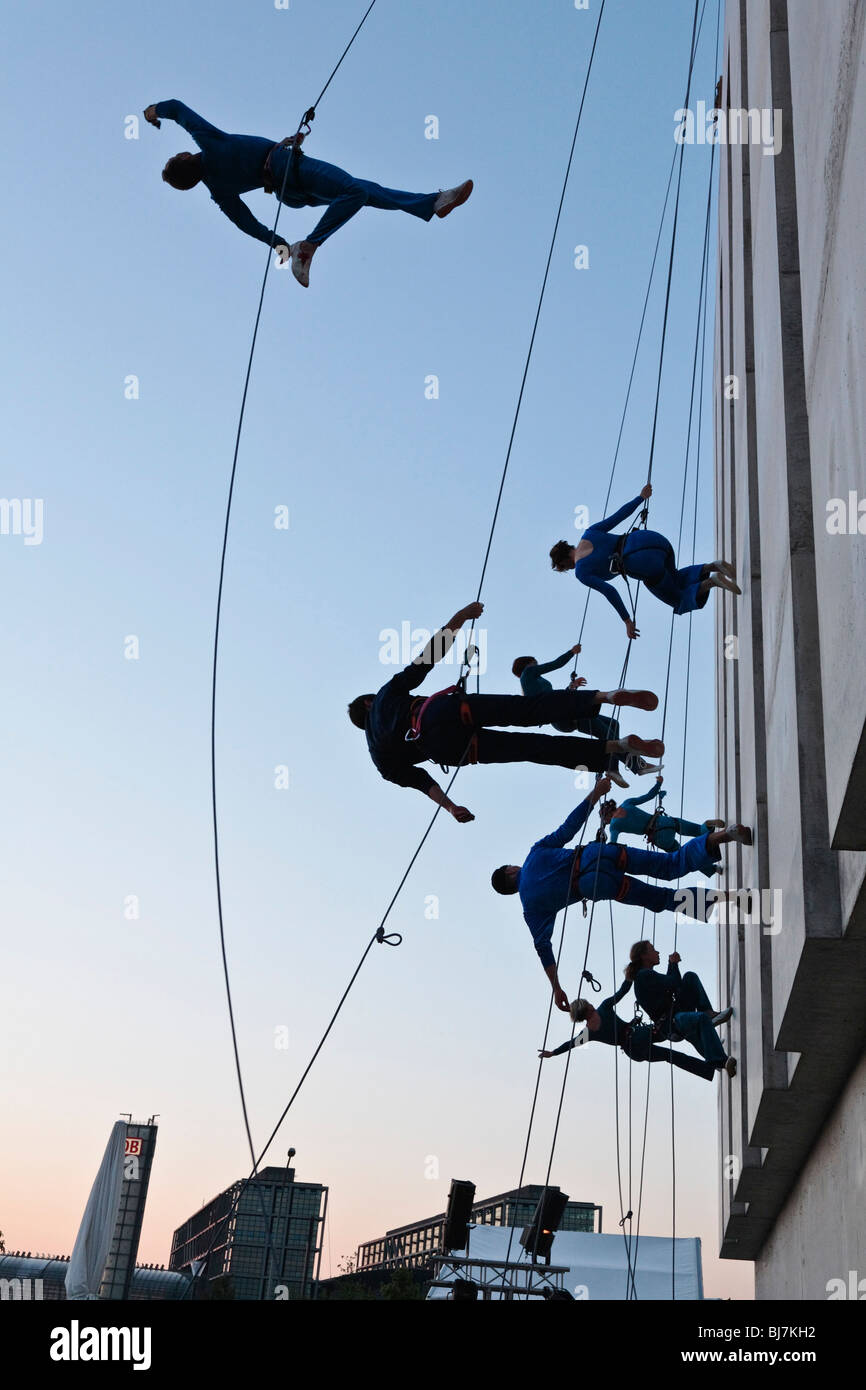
790,425
264,1235
137,1163
414,1245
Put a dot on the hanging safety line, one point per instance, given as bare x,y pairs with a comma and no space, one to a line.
682,802
550,1015
537,313
630,1287
378,935
673,248
698,331
307,117
699,353
696,27
619,437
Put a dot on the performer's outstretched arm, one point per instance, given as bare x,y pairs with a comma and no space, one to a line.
547,666
593,581
615,518
193,124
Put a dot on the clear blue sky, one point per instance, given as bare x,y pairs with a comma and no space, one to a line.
110,273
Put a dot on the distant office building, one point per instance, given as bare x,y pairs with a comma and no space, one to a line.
264,1236
790,482
413,1246
42,1278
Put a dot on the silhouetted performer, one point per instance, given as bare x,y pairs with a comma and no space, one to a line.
229,165
451,727
629,819
678,1005
532,682
552,876
637,1040
644,555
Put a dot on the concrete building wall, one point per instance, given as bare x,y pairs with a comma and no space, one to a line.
790,424
818,1236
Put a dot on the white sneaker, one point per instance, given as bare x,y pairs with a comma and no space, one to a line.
617,778
452,198
639,766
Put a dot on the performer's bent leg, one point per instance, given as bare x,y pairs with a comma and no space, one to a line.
691,994
599,726
649,895
694,854
697,1029
528,711
548,749
689,828
682,1060
346,195
689,583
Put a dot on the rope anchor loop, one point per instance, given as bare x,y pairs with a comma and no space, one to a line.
628,1216
591,981
391,939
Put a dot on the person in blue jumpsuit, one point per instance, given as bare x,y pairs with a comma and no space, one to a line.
639,554
229,165
449,727
637,1040
552,876
677,1004
531,675
628,819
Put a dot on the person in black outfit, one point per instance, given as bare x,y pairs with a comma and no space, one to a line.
637,1040
450,727
678,1004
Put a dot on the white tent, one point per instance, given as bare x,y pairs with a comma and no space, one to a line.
597,1264
90,1252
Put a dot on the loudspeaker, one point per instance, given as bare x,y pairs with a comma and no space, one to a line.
459,1215
464,1291
537,1239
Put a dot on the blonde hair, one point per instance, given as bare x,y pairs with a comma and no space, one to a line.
579,1010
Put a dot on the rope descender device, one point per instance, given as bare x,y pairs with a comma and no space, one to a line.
466,667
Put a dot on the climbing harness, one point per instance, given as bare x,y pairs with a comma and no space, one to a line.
616,560
416,717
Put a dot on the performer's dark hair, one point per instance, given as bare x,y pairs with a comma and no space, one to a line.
560,556
634,959
502,880
520,664
358,710
181,173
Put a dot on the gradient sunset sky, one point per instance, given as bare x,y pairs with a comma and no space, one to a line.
110,274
